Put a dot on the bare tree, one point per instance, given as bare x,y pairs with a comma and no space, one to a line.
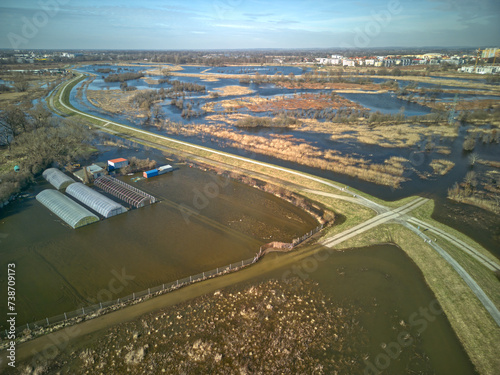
156,112
20,83
470,178
40,116
473,158
13,122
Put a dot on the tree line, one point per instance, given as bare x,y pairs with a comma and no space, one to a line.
34,140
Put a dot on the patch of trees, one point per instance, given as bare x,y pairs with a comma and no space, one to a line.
104,70
15,122
122,77
378,117
281,121
179,103
146,98
125,87
323,77
480,115
180,87
147,102
390,85
138,165
35,141
20,83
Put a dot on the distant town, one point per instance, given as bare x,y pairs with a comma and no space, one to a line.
480,61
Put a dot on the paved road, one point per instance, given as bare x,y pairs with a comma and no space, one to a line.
384,213
373,222
487,262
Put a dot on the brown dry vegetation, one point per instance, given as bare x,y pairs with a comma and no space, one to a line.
231,90
280,103
302,101
478,189
384,135
161,70
444,82
273,327
286,147
151,81
114,101
462,105
210,79
441,166
331,86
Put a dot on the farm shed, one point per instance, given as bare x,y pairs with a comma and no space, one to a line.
69,211
98,202
117,163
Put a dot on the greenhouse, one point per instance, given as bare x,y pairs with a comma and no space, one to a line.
57,178
96,201
69,211
123,191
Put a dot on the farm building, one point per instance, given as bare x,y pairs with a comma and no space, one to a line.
157,171
69,211
57,178
165,168
96,171
98,202
151,173
117,163
93,171
124,191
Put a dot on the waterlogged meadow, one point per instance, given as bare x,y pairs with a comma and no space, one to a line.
361,311
364,121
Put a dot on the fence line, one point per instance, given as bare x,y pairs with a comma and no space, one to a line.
285,246
90,312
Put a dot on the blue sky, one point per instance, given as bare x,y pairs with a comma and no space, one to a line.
238,24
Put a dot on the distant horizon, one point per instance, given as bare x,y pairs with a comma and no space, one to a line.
247,24
250,49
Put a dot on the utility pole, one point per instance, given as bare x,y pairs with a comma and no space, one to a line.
477,58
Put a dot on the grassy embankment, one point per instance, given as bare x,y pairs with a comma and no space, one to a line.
471,322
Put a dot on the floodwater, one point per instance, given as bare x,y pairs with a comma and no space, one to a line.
202,222
435,187
389,290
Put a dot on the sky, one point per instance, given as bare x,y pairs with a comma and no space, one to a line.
242,24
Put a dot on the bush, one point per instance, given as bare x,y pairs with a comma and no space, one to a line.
13,182
469,143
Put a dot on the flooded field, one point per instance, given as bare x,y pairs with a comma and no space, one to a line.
361,311
201,222
416,156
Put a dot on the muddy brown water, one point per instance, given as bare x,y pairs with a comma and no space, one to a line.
406,329
202,222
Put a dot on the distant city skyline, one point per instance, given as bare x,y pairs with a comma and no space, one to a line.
247,24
